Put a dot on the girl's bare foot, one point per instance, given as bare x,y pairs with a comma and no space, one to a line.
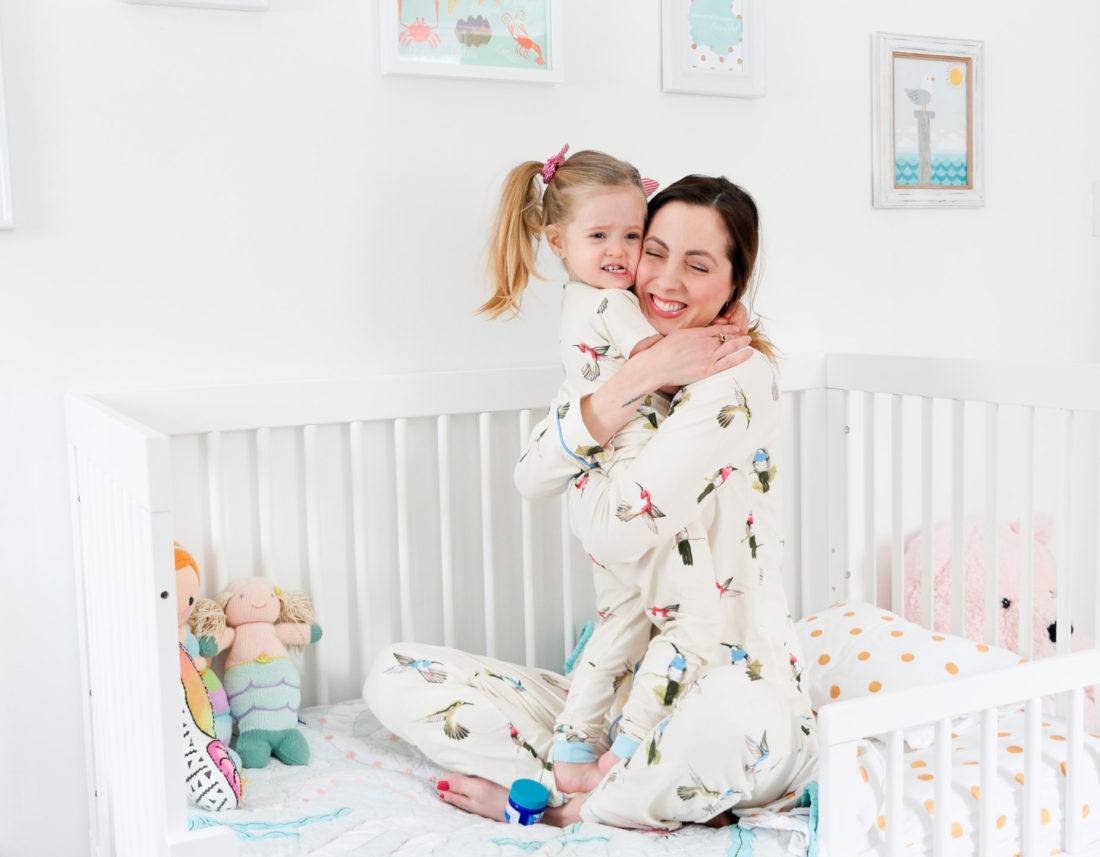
474,794
576,777
488,800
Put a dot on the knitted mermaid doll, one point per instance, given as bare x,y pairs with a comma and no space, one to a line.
260,680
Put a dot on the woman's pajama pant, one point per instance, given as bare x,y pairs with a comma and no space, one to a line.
729,742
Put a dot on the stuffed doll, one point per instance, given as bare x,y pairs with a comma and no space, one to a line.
207,622
261,682
213,780
1045,628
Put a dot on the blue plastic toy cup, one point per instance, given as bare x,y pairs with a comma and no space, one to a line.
526,802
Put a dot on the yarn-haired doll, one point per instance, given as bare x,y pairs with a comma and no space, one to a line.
260,680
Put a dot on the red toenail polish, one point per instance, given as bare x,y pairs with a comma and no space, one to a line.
443,785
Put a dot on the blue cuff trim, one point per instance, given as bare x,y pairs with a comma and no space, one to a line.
573,751
561,439
624,747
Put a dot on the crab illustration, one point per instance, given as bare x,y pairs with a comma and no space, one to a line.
419,30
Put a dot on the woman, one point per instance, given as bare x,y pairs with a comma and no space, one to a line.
712,721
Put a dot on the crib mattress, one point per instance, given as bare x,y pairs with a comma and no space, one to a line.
365,792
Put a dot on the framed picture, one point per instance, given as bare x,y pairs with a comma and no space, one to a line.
927,122
6,220
241,5
713,47
503,40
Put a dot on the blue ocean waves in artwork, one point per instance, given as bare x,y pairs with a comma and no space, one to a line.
948,170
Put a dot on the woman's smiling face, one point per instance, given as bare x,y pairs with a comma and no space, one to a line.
684,276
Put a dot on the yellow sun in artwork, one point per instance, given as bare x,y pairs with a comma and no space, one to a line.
955,76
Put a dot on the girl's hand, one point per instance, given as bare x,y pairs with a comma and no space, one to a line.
736,316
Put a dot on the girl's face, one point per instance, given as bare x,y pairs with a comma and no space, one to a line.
684,274
602,242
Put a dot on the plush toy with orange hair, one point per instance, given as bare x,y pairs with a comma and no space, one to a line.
213,780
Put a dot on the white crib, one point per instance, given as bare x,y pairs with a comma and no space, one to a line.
390,501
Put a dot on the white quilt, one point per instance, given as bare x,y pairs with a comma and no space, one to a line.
367,793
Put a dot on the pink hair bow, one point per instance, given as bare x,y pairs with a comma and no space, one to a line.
649,187
552,164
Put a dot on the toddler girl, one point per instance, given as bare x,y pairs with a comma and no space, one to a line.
592,209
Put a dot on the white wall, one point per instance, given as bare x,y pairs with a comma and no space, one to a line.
207,196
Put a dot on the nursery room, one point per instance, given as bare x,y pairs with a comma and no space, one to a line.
288,572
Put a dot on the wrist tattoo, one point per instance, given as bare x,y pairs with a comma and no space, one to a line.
632,401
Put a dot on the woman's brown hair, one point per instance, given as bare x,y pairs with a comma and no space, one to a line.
742,221
525,210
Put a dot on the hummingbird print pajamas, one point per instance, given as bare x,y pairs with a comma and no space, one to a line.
715,716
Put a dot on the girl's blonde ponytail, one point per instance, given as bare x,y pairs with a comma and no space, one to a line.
514,239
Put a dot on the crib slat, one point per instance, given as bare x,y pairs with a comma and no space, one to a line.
897,569
991,613
488,574
958,471
528,556
446,543
1027,539
927,575
360,532
1065,523
941,817
401,501
1075,755
568,632
261,442
314,563
894,785
1032,760
871,570
988,774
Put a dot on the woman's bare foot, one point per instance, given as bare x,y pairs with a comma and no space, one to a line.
474,794
576,777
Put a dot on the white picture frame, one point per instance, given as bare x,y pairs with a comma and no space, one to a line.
7,219
234,5
927,122
713,47
418,37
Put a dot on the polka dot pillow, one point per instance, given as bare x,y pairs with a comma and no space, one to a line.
855,649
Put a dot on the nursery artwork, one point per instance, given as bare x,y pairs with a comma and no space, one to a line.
927,122
510,39
932,137
713,47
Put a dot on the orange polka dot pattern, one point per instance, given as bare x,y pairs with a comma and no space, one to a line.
855,649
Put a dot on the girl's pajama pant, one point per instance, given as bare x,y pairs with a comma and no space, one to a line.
730,741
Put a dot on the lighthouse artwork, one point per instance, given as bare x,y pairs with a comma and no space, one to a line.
931,127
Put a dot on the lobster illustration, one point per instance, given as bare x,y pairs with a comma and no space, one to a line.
419,30
525,45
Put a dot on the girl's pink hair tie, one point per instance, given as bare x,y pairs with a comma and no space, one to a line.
552,164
